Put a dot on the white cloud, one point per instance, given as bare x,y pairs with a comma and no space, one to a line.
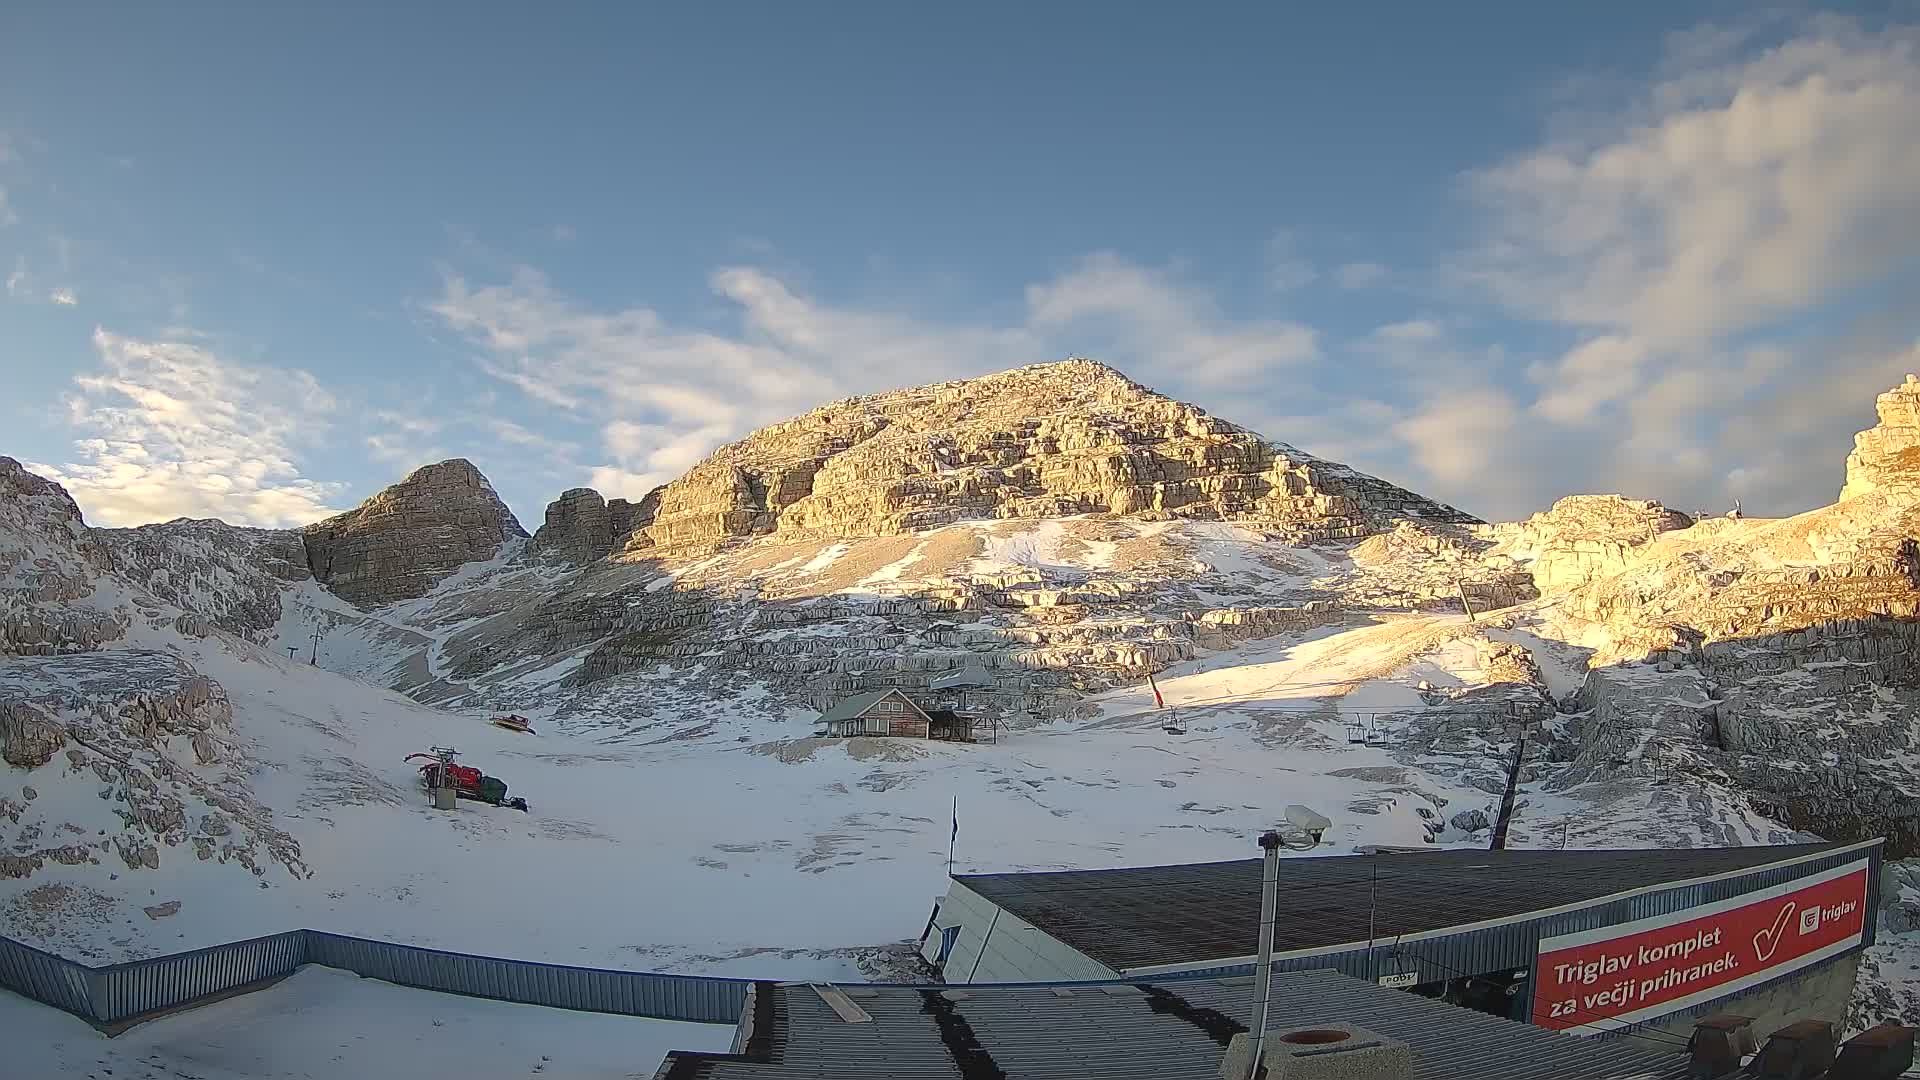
1119,310
1681,232
1592,375
178,432
64,297
1728,197
664,395
1458,437
1287,269
1410,331
1360,275
1675,237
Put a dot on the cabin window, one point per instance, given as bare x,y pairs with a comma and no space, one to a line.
889,706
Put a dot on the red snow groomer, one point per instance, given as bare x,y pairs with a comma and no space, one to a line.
467,782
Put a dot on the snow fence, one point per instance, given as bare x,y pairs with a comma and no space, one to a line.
116,993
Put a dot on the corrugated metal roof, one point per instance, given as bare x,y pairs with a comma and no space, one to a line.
851,707
860,703
1175,1030
971,676
1151,915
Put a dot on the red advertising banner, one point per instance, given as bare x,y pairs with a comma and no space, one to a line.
1613,976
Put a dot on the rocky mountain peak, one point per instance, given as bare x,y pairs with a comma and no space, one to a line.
40,499
1046,440
400,542
1886,457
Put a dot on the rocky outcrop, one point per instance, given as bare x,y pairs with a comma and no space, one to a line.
226,576
1584,537
155,738
1042,441
581,526
404,540
624,517
1886,457
28,739
578,528
50,562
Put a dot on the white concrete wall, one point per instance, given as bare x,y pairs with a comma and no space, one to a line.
1823,992
996,946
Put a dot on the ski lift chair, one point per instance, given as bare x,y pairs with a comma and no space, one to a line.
1174,724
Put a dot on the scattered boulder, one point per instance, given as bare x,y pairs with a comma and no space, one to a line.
1470,820
161,911
28,739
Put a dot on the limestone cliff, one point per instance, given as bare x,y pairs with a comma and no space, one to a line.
400,542
1584,537
50,565
1886,457
1047,440
229,575
578,528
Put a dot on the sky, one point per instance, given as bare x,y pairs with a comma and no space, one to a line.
262,261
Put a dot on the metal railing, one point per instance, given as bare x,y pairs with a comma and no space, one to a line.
116,992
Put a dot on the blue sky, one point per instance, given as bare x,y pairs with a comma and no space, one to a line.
259,263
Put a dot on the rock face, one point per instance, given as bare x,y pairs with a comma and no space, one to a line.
149,731
1043,441
27,738
1886,457
1583,537
49,563
398,544
623,517
578,528
227,575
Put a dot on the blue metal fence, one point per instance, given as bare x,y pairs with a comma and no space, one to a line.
125,990
116,992
632,993
44,977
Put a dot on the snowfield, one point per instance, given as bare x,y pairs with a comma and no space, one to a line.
733,852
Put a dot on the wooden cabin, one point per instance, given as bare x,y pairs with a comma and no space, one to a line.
883,712
892,712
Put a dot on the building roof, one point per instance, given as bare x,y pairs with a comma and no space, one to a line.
858,704
969,677
1143,917
1173,1030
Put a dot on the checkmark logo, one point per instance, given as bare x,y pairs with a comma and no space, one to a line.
1767,941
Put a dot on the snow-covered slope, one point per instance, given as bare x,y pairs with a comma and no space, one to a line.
203,742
